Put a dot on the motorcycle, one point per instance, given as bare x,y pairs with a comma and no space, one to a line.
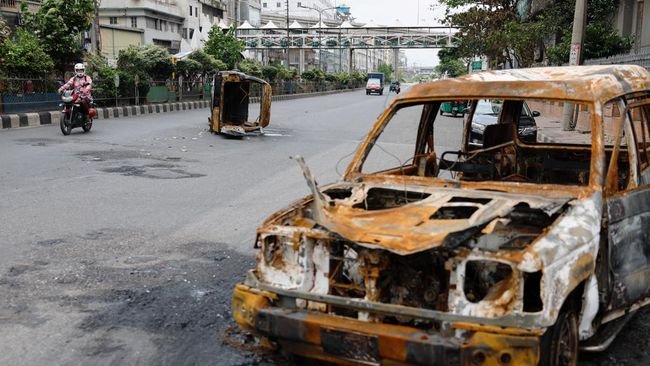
72,116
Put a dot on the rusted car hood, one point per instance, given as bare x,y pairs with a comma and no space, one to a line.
444,216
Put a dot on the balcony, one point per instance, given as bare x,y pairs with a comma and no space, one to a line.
214,3
9,4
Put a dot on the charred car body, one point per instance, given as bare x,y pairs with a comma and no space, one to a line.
512,252
230,103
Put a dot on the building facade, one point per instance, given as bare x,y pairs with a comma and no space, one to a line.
180,26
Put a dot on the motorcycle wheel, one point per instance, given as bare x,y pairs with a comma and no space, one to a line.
87,126
66,124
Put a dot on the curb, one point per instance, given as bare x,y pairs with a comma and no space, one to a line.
54,117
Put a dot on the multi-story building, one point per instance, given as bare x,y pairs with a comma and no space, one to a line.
180,26
10,10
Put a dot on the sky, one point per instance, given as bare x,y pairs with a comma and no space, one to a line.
389,12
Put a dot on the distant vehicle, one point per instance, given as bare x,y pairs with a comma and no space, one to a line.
395,87
374,86
487,113
377,75
454,108
230,102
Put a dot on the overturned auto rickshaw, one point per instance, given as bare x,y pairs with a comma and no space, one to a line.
230,104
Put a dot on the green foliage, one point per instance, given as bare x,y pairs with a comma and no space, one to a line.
58,25
22,56
602,42
208,63
492,28
224,46
313,74
358,76
103,78
387,70
269,72
450,64
251,67
5,32
148,61
188,68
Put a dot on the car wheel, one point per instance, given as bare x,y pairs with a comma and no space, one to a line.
560,342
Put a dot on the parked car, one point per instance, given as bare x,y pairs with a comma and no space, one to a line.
487,113
429,251
395,87
374,86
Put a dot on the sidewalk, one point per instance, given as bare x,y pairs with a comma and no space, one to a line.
54,117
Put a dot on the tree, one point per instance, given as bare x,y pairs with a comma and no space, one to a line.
494,29
148,61
450,64
224,46
208,63
5,32
58,25
250,67
387,70
22,56
103,78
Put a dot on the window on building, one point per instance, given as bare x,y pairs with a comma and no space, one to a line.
134,22
191,33
299,4
278,4
184,34
264,5
196,12
190,10
113,20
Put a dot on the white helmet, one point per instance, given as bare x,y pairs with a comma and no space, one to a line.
79,69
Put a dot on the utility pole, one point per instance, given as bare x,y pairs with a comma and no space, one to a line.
577,40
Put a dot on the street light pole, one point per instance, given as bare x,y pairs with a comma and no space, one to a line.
320,29
288,59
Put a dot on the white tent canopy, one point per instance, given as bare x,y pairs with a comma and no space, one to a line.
319,25
295,25
246,25
269,25
223,25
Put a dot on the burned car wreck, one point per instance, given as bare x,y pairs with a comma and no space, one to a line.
432,250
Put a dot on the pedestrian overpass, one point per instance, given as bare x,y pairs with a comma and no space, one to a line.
346,38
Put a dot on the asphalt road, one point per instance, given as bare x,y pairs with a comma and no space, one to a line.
121,246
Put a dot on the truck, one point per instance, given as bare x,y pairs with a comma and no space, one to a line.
373,86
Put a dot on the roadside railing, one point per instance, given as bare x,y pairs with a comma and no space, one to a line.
21,95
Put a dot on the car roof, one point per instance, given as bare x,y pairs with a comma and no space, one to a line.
577,83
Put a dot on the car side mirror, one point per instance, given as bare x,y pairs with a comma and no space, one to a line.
536,114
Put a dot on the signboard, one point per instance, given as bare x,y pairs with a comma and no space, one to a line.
343,9
477,65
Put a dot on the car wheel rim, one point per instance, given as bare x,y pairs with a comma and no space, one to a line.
567,343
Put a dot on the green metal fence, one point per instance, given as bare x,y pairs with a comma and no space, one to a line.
33,95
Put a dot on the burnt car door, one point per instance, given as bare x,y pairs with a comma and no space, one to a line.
628,203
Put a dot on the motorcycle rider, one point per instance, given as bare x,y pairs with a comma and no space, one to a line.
82,84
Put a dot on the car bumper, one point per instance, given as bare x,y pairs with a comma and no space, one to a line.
350,341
